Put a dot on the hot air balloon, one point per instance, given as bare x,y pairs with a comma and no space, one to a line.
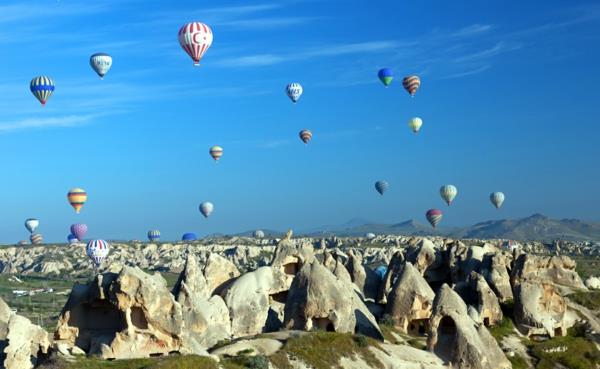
79,230
305,135
381,186
381,271
42,87
433,216
370,236
77,197
97,250
154,235
72,239
415,124
411,84
195,38
294,91
101,63
36,238
22,243
497,198
386,76
259,234
216,152
31,224
189,237
448,193
206,208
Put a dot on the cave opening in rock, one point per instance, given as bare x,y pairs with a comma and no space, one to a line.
99,320
446,338
291,268
558,332
138,318
418,327
486,321
280,297
323,324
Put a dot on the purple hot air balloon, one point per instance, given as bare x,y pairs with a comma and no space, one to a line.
79,230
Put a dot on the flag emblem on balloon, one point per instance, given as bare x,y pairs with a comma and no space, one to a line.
77,197
411,84
42,87
195,38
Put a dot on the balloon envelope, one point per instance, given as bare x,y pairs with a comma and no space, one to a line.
101,63
97,250
370,236
434,216
415,124
411,84
154,235
79,230
189,237
381,186
42,87
448,193
206,208
216,152
32,224
259,234
305,135
77,197
294,91
385,76
497,199
72,239
195,38
36,238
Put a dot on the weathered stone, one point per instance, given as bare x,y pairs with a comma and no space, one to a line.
218,272
559,270
495,271
539,310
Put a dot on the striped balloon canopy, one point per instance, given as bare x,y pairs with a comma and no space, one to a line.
97,250
77,197
381,186
411,84
305,135
195,38
154,235
434,216
36,238
216,152
42,87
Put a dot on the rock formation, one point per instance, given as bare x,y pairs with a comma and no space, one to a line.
495,270
218,271
559,270
476,293
539,310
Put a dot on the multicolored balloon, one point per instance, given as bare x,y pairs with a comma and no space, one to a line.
195,38
381,186
154,235
42,87
448,193
72,239
36,238
305,135
97,250
497,199
189,237
32,224
411,84
22,243
216,152
77,197
415,124
385,76
294,91
434,216
79,230
206,208
259,234
101,63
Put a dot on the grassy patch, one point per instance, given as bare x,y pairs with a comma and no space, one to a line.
504,329
170,362
280,360
576,352
587,266
323,350
590,300
518,362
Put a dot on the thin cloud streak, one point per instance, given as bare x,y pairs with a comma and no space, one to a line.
467,73
28,123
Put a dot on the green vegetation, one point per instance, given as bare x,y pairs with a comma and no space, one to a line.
518,362
590,300
587,266
246,362
170,362
323,350
504,329
573,352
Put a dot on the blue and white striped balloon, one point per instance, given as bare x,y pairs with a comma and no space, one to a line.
294,91
97,250
154,235
381,186
42,87
101,63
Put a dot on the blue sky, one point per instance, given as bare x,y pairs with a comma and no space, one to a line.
509,100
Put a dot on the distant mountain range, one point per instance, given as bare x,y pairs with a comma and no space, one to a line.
535,227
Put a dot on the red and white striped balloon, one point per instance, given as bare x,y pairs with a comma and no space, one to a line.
195,38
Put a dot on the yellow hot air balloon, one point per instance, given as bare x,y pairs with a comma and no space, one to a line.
77,197
415,124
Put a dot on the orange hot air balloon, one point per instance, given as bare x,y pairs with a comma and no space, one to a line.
77,197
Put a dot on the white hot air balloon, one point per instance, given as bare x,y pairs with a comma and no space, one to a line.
448,193
415,124
101,63
206,208
497,199
259,234
294,91
97,250
32,224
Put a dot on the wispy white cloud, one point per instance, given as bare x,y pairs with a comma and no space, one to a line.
45,122
472,30
22,11
267,23
471,72
499,48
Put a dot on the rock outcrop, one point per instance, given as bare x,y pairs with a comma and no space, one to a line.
218,271
476,293
539,310
495,271
457,339
559,270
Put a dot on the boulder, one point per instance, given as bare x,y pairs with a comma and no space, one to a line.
559,270
463,260
429,260
457,339
218,272
393,271
410,301
495,271
477,293
206,320
539,310
593,283
289,257
363,277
